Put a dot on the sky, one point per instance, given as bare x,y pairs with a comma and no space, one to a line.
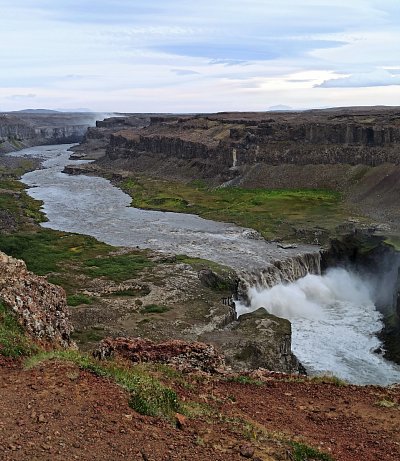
198,56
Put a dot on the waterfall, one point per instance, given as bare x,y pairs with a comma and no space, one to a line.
278,272
334,316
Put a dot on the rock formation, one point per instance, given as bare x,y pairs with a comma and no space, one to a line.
39,306
257,340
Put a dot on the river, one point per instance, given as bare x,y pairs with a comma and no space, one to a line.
333,328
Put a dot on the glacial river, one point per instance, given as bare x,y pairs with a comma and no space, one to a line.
333,317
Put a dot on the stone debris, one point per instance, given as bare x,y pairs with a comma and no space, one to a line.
183,355
40,307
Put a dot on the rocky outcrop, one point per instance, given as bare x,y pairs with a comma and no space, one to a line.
185,356
39,306
257,340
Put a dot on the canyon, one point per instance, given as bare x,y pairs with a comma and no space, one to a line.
352,151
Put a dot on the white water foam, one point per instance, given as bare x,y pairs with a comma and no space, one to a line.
334,325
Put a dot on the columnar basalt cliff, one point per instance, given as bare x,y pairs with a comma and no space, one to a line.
39,306
369,137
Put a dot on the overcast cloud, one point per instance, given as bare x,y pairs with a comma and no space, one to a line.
193,56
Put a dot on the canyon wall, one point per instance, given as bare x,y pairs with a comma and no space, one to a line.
224,142
20,130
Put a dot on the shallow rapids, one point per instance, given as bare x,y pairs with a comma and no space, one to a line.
334,325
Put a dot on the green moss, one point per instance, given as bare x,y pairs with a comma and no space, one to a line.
148,396
13,341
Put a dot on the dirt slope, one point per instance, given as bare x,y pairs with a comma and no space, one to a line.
58,412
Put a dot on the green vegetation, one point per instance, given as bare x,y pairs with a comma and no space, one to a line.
154,309
17,202
64,255
46,250
78,299
273,213
148,395
13,341
117,267
302,452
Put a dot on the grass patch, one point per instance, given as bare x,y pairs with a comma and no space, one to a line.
148,396
78,299
154,309
384,403
13,341
302,452
45,250
273,212
117,268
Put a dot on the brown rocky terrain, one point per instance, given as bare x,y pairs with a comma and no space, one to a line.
56,412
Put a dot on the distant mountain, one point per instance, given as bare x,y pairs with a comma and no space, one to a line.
80,109
37,111
279,107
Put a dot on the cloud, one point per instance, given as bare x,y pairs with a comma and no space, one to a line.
124,55
19,97
233,52
183,72
370,79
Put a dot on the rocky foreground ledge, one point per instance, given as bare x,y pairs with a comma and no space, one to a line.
39,306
